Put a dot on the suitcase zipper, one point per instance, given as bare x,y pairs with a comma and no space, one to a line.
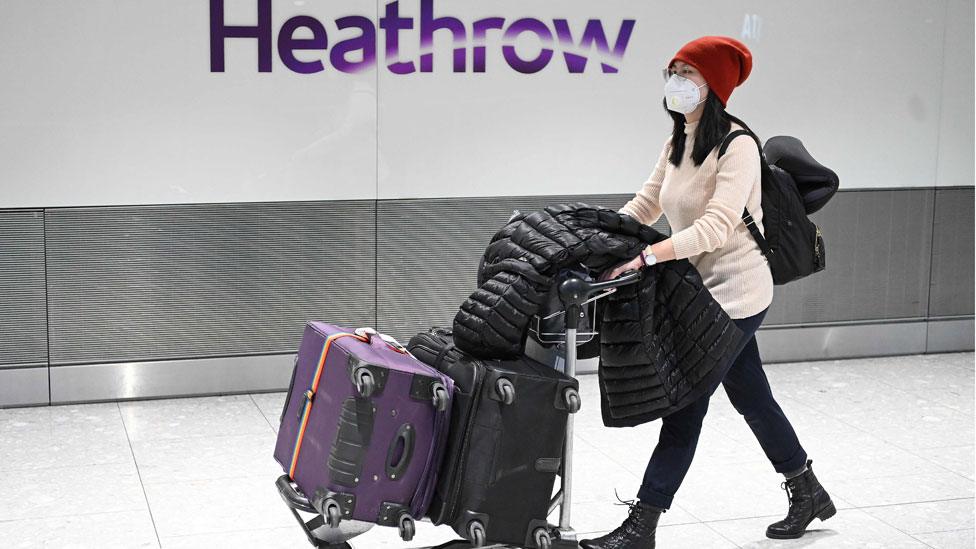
452,501
424,489
455,485
450,504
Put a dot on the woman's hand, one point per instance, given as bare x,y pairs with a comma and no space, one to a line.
633,265
663,251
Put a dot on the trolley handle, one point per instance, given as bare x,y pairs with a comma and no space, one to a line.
625,278
573,292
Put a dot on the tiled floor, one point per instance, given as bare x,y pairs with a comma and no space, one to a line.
891,439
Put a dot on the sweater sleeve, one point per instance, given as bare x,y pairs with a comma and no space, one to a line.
646,206
738,174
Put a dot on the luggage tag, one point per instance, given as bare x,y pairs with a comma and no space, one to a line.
368,333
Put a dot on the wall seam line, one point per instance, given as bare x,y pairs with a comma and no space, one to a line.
47,304
935,192
376,191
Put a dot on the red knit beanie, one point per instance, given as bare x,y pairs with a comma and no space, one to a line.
724,62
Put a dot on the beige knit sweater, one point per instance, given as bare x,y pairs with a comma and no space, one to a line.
703,205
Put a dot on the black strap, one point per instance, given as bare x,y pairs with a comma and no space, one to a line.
443,352
746,216
728,140
754,230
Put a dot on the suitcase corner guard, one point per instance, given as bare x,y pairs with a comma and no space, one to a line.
473,527
537,535
425,388
390,513
568,397
368,379
398,515
324,498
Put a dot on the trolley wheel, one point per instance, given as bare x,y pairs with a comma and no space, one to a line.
573,402
333,514
542,539
476,534
407,527
365,383
506,390
440,398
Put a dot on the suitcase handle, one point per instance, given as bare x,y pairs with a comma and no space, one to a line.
395,470
368,333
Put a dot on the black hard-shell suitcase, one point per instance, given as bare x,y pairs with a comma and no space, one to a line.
508,425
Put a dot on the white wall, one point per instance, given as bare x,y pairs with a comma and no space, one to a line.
955,163
113,102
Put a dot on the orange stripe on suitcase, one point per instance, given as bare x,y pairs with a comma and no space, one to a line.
310,394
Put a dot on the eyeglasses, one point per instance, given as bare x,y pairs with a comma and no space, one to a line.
667,74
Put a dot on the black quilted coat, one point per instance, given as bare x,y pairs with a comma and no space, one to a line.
663,341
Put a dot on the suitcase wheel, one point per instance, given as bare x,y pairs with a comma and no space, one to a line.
365,383
441,398
407,527
505,390
476,533
333,513
542,539
573,401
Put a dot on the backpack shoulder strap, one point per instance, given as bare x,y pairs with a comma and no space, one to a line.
754,231
728,140
746,216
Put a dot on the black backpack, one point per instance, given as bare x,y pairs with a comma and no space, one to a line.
794,185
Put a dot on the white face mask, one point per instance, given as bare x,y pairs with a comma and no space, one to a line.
682,94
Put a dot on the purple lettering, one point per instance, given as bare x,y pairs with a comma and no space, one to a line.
287,43
593,32
358,52
366,42
429,24
481,28
511,56
220,32
392,23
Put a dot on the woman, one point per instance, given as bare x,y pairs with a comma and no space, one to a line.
703,197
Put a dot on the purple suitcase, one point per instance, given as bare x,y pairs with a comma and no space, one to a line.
375,427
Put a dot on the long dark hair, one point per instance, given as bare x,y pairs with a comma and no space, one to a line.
713,126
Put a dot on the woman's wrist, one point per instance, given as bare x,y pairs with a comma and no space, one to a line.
648,257
662,251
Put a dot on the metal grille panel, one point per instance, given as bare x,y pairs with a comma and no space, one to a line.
952,289
23,314
878,255
190,281
193,281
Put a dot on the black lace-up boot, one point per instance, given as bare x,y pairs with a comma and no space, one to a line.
637,531
808,500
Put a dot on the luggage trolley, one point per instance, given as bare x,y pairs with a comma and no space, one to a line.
575,292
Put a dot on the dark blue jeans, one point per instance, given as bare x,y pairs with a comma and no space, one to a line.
749,392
